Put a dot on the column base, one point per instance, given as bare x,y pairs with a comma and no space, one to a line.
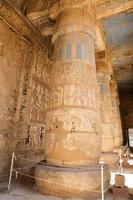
118,142
70,182
117,150
110,158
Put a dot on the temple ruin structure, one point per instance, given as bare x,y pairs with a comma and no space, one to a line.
66,91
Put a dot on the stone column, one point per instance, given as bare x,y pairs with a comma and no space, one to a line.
107,122
73,117
104,78
73,139
118,135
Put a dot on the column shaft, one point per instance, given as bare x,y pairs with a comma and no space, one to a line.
73,140
118,135
104,77
73,121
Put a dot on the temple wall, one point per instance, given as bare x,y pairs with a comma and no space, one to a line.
11,65
34,102
24,90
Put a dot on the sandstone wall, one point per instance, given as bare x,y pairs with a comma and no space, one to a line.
24,87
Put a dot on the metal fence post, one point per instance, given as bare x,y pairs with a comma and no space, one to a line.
11,171
102,179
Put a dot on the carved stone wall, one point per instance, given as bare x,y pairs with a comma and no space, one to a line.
24,97
11,64
32,121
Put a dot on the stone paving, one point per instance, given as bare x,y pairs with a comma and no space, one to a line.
26,192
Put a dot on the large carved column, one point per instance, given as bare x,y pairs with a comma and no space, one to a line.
107,122
104,78
73,116
73,139
118,135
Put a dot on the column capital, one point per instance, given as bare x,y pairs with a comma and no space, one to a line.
74,20
57,7
65,4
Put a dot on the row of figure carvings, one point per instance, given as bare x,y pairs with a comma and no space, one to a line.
42,98
68,96
33,136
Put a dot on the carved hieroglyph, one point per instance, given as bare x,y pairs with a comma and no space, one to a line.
35,100
104,77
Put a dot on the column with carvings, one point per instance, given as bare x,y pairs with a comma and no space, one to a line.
73,140
118,135
104,78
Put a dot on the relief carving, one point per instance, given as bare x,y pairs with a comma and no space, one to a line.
41,66
35,101
33,136
67,72
72,95
73,123
56,97
40,96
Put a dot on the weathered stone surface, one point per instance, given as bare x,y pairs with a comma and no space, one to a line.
11,61
110,158
70,182
104,78
24,78
73,131
73,115
118,135
127,112
54,114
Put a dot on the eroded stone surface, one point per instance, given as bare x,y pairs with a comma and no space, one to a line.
54,111
73,135
104,78
73,116
57,181
24,79
118,136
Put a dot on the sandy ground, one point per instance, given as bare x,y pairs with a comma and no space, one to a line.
26,192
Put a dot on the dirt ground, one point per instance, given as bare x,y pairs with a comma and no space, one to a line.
28,192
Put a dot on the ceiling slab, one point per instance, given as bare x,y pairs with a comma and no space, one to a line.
119,30
107,8
119,36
